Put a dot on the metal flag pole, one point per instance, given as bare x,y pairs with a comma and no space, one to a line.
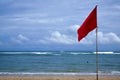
97,53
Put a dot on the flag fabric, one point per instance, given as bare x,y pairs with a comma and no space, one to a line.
88,25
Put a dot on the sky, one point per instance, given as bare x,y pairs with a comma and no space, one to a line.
51,25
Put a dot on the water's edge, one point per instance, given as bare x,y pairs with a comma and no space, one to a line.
113,73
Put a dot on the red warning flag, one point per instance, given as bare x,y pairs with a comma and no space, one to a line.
88,25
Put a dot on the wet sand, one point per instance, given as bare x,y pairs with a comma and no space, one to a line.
59,78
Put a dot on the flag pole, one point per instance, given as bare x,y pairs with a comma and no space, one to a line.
97,53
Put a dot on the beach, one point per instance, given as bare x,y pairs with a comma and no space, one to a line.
59,77
58,66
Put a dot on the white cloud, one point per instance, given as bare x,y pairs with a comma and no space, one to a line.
20,39
74,27
107,38
33,20
61,38
57,37
49,20
103,38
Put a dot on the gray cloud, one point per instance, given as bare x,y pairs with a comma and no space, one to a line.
20,39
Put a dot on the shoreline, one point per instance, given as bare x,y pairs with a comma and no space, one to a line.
113,73
59,77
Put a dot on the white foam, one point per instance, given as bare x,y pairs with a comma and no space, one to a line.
43,74
101,73
78,53
74,53
54,53
104,52
42,53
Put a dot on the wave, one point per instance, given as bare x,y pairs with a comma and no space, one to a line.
106,53
102,73
41,53
58,53
12,52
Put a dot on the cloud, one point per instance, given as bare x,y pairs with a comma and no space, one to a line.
108,38
103,38
61,38
50,20
20,39
71,37
33,20
74,27
57,37
23,38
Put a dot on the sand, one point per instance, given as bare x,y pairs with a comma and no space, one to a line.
59,78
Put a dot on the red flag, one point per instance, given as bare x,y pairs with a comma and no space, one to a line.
88,25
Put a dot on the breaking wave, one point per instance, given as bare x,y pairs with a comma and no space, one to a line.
107,52
101,73
41,53
58,53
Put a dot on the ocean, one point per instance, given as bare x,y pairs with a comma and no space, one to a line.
59,63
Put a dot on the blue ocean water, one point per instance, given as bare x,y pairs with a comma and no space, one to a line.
59,63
